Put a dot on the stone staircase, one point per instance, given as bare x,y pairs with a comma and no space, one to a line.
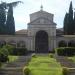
11,71
66,63
15,68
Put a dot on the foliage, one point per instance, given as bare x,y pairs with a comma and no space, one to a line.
2,18
6,23
9,48
65,51
74,23
19,51
71,43
12,58
72,58
34,55
66,23
51,55
65,71
10,21
69,27
4,55
0,64
26,71
62,44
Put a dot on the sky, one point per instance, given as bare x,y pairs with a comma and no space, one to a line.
56,7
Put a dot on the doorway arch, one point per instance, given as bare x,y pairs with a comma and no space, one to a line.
41,42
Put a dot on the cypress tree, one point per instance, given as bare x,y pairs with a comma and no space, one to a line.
70,24
2,18
10,24
10,21
74,23
66,23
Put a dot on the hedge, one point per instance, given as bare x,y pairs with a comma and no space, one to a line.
4,55
19,51
65,51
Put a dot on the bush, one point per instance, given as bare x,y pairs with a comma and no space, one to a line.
65,71
33,55
62,44
9,48
51,55
65,51
26,71
19,51
4,55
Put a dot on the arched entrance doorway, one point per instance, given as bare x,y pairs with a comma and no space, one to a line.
41,42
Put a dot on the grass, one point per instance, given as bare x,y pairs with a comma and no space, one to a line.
72,58
12,58
44,65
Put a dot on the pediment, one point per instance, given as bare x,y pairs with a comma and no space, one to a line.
41,21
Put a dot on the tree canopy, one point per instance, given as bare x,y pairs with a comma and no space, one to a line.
7,24
69,26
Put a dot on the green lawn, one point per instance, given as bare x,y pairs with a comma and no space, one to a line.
12,58
72,58
44,65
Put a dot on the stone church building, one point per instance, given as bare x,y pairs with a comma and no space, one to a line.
41,34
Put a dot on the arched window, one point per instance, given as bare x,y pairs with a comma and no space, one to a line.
62,44
71,43
21,44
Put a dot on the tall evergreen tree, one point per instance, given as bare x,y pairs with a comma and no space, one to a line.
74,23
70,25
3,26
2,18
10,24
10,21
66,23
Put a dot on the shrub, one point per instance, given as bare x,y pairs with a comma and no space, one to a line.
65,51
9,48
20,51
62,44
51,55
65,71
4,51
4,55
3,58
33,55
0,64
26,71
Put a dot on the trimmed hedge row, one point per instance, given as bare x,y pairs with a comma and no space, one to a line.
65,51
4,55
19,51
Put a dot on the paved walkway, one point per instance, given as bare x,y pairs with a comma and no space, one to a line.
15,68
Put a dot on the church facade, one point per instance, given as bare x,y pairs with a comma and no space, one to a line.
41,35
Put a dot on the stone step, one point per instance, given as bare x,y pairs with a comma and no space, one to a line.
11,71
